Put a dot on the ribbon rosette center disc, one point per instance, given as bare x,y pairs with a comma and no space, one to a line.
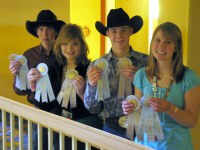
71,74
21,59
43,69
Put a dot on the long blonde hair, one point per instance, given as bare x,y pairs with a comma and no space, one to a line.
67,33
174,33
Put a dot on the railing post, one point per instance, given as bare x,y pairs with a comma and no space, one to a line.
30,147
74,143
39,131
50,139
61,140
4,129
21,134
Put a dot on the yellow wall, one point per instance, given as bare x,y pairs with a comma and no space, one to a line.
194,54
86,13
177,12
194,36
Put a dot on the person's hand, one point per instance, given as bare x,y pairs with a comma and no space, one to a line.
127,107
94,74
128,72
79,84
159,104
14,67
33,76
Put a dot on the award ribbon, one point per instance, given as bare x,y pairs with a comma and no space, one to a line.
149,122
124,88
134,117
21,78
68,91
43,85
103,90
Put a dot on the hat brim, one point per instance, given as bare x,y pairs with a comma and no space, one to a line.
101,28
32,25
135,22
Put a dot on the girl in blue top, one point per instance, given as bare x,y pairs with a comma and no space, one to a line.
177,94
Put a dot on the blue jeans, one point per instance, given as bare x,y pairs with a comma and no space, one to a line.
111,126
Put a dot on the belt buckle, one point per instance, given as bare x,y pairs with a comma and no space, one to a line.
123,121
66,114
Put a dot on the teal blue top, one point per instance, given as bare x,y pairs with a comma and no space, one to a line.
177,136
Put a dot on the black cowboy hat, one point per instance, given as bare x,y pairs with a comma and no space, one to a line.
118,17
46,18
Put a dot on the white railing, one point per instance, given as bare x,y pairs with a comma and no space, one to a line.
65,127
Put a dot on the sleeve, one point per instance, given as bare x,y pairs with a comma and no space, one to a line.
190,80
138,79
18,91
91,103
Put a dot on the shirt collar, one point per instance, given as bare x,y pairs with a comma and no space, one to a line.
110,54
42,51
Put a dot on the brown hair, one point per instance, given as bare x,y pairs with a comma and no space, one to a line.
174,33
67,33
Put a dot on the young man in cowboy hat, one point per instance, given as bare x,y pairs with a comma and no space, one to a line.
119,29
45,28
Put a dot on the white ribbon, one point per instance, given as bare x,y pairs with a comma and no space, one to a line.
124,88
21,78
149,123
68,91
103,90
43,85
134,117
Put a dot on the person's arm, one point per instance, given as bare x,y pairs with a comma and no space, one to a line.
128,106
90,100
18,91
189,115
14,68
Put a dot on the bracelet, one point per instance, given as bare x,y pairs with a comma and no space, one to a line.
175,110
169,104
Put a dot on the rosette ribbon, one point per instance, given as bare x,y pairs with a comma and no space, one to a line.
124,88
68,91
149,122
134,117
43,85
103,90
21,78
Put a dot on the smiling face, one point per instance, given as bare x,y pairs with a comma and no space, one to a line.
119,37
71,50
163,47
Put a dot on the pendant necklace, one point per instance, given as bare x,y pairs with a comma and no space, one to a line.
155,88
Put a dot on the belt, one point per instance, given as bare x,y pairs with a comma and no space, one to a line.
120,121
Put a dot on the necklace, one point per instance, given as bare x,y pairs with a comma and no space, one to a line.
155,88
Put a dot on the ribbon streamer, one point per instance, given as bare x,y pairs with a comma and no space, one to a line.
149,122
21,78
134,117
124,88
103,90
43,85
68,91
